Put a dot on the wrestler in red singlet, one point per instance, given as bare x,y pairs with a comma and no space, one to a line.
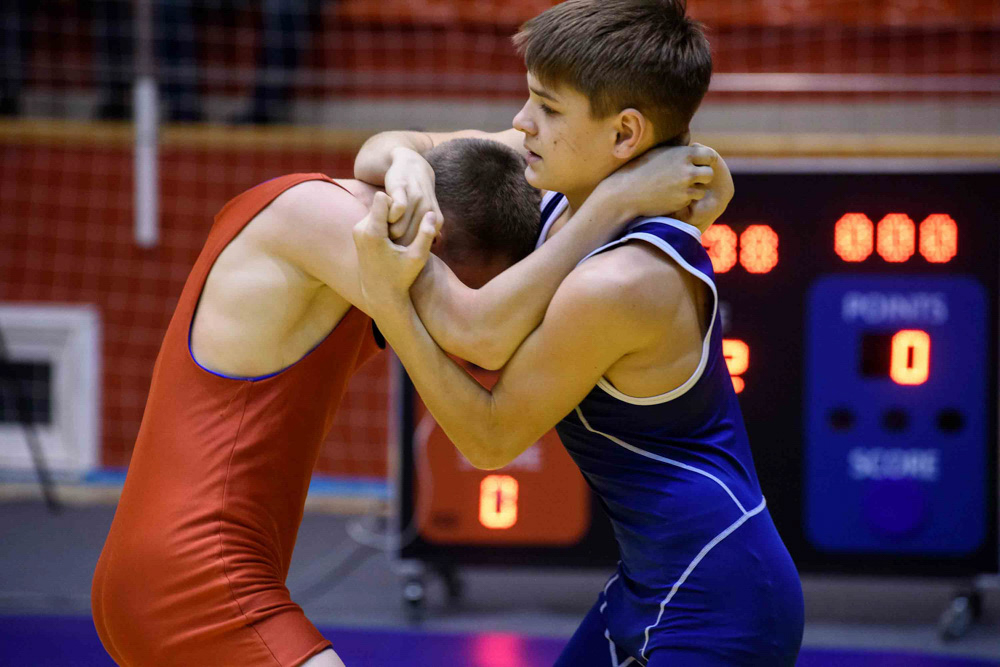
193,569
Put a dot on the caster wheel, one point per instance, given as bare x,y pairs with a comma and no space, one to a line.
961,614
414,597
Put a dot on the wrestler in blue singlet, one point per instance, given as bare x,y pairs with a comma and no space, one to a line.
704,579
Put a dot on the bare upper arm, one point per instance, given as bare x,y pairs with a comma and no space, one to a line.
310,225
592,321
511,137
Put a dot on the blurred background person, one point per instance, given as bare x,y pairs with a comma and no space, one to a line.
285,30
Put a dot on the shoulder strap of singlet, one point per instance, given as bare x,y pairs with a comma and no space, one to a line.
682,243
553,204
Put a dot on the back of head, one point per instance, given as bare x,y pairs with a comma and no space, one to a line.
641,54
490,210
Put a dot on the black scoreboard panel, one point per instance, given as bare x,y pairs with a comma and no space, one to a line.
860,314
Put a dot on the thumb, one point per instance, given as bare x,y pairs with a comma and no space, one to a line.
420,248
398,207
377,216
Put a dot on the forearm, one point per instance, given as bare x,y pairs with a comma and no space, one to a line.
461,406
375,156
486,326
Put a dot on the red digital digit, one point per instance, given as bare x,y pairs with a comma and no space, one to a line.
897,237
854,237
910,361
938,238
498,501
758,248
720,242
737,355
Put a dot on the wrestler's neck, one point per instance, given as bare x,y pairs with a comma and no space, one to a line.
575,201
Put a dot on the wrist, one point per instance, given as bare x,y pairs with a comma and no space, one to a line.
608,202
403,153
390,309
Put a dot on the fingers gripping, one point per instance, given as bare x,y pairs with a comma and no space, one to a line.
420,248
398,207
703,155
375,224
702,175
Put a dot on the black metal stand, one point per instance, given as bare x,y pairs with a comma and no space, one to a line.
22,408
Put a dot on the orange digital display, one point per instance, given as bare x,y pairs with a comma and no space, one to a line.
498,501
938,238
720,242
737,355
911,357
897,237
854,237
540,498
758,248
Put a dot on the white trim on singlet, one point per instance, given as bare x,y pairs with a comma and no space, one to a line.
694,563
547,224
661,459
611,581
677,392
614,653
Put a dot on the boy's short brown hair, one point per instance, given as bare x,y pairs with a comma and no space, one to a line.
489,208
642,54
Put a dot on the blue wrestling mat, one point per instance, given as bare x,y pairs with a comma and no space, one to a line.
62,641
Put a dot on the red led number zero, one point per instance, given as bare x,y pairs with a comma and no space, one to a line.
910,360
938,238
854,237
897,237
498,501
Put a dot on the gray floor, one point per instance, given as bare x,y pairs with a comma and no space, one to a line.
46,562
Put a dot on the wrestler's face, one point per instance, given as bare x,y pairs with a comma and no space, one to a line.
570,151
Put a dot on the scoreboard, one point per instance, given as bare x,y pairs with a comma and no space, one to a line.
859,313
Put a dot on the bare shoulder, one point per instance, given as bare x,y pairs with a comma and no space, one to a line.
633,275
319,200
628,290
306,212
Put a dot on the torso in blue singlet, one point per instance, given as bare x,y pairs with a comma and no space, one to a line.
701,563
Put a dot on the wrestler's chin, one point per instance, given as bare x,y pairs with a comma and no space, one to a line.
534,178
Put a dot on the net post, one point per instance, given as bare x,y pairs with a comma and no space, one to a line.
145,105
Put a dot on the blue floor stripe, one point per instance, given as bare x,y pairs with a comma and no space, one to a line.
374,488
58,641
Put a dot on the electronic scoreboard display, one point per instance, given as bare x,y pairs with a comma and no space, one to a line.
859,313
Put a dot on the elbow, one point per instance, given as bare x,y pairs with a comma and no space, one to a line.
489,450
488,460
484,463
366,172
370,164
488,360
482,351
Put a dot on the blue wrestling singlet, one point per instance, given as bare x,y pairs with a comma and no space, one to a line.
704,579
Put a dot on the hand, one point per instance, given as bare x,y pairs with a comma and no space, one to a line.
409,181
386,270
705,211
663,180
